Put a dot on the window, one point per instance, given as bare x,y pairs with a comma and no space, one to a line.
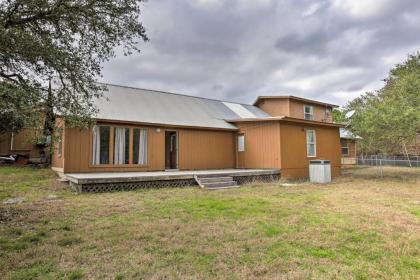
121,145
345,149
310,143
308,112
328,113
100,144
241,143
140,146
126,141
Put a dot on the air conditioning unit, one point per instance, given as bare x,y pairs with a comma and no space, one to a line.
320,171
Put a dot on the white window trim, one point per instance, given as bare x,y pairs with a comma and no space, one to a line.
307,143
311,112
241,146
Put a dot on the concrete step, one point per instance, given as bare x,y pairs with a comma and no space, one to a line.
215,179
219,184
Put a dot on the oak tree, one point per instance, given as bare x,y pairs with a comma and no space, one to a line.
65,40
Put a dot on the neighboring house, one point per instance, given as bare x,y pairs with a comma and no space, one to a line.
147,130
21,143
348,147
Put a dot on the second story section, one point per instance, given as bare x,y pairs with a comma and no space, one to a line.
296,107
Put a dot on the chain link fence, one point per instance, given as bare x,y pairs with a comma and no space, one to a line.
380,160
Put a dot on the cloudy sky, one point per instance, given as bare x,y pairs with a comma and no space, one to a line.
329,50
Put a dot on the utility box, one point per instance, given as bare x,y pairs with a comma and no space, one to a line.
320,171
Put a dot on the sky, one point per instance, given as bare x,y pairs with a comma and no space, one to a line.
328,50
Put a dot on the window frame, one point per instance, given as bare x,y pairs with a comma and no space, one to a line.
239,148
310,143
347,146
110,146
311,112
111,164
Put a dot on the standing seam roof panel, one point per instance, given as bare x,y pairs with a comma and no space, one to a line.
148,106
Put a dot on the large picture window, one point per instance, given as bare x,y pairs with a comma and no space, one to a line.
100,144
140,146
121,145
129,145
310,143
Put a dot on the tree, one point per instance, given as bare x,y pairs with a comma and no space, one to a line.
389,119
338,116
41,39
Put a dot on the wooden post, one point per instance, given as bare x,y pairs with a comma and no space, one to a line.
406,153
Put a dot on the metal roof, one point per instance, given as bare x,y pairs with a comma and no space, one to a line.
346,134
156,107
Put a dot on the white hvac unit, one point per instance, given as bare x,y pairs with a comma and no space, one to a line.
320,171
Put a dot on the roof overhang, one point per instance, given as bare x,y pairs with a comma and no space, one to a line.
259,98
286,119
164,125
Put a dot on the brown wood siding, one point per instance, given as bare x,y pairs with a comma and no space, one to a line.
262,145
292,108
275,107
198,149
294,160
203,149
57,159
350,159
296,111
352,147
78,152
23,143
4,144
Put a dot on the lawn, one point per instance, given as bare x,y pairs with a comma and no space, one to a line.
362,226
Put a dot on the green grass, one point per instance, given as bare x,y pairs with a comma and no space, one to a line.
362,226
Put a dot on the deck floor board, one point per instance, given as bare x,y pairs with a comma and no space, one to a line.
112,177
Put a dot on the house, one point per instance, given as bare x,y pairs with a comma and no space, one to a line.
146,130
348,148
21,143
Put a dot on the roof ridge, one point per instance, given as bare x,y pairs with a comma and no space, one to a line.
174,93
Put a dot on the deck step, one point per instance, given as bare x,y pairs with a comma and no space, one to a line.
222,188
206,180
219,184
215,183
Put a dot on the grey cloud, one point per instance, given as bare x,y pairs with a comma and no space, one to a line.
236,50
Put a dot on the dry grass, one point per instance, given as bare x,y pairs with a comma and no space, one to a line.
361,226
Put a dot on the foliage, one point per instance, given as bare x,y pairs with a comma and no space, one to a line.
40,39
390,118
338,116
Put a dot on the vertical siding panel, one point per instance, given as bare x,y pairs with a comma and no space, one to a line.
295,162
198,149
261,140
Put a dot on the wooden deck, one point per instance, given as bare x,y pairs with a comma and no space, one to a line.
125,177
122,181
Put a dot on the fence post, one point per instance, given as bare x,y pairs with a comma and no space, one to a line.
382,171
